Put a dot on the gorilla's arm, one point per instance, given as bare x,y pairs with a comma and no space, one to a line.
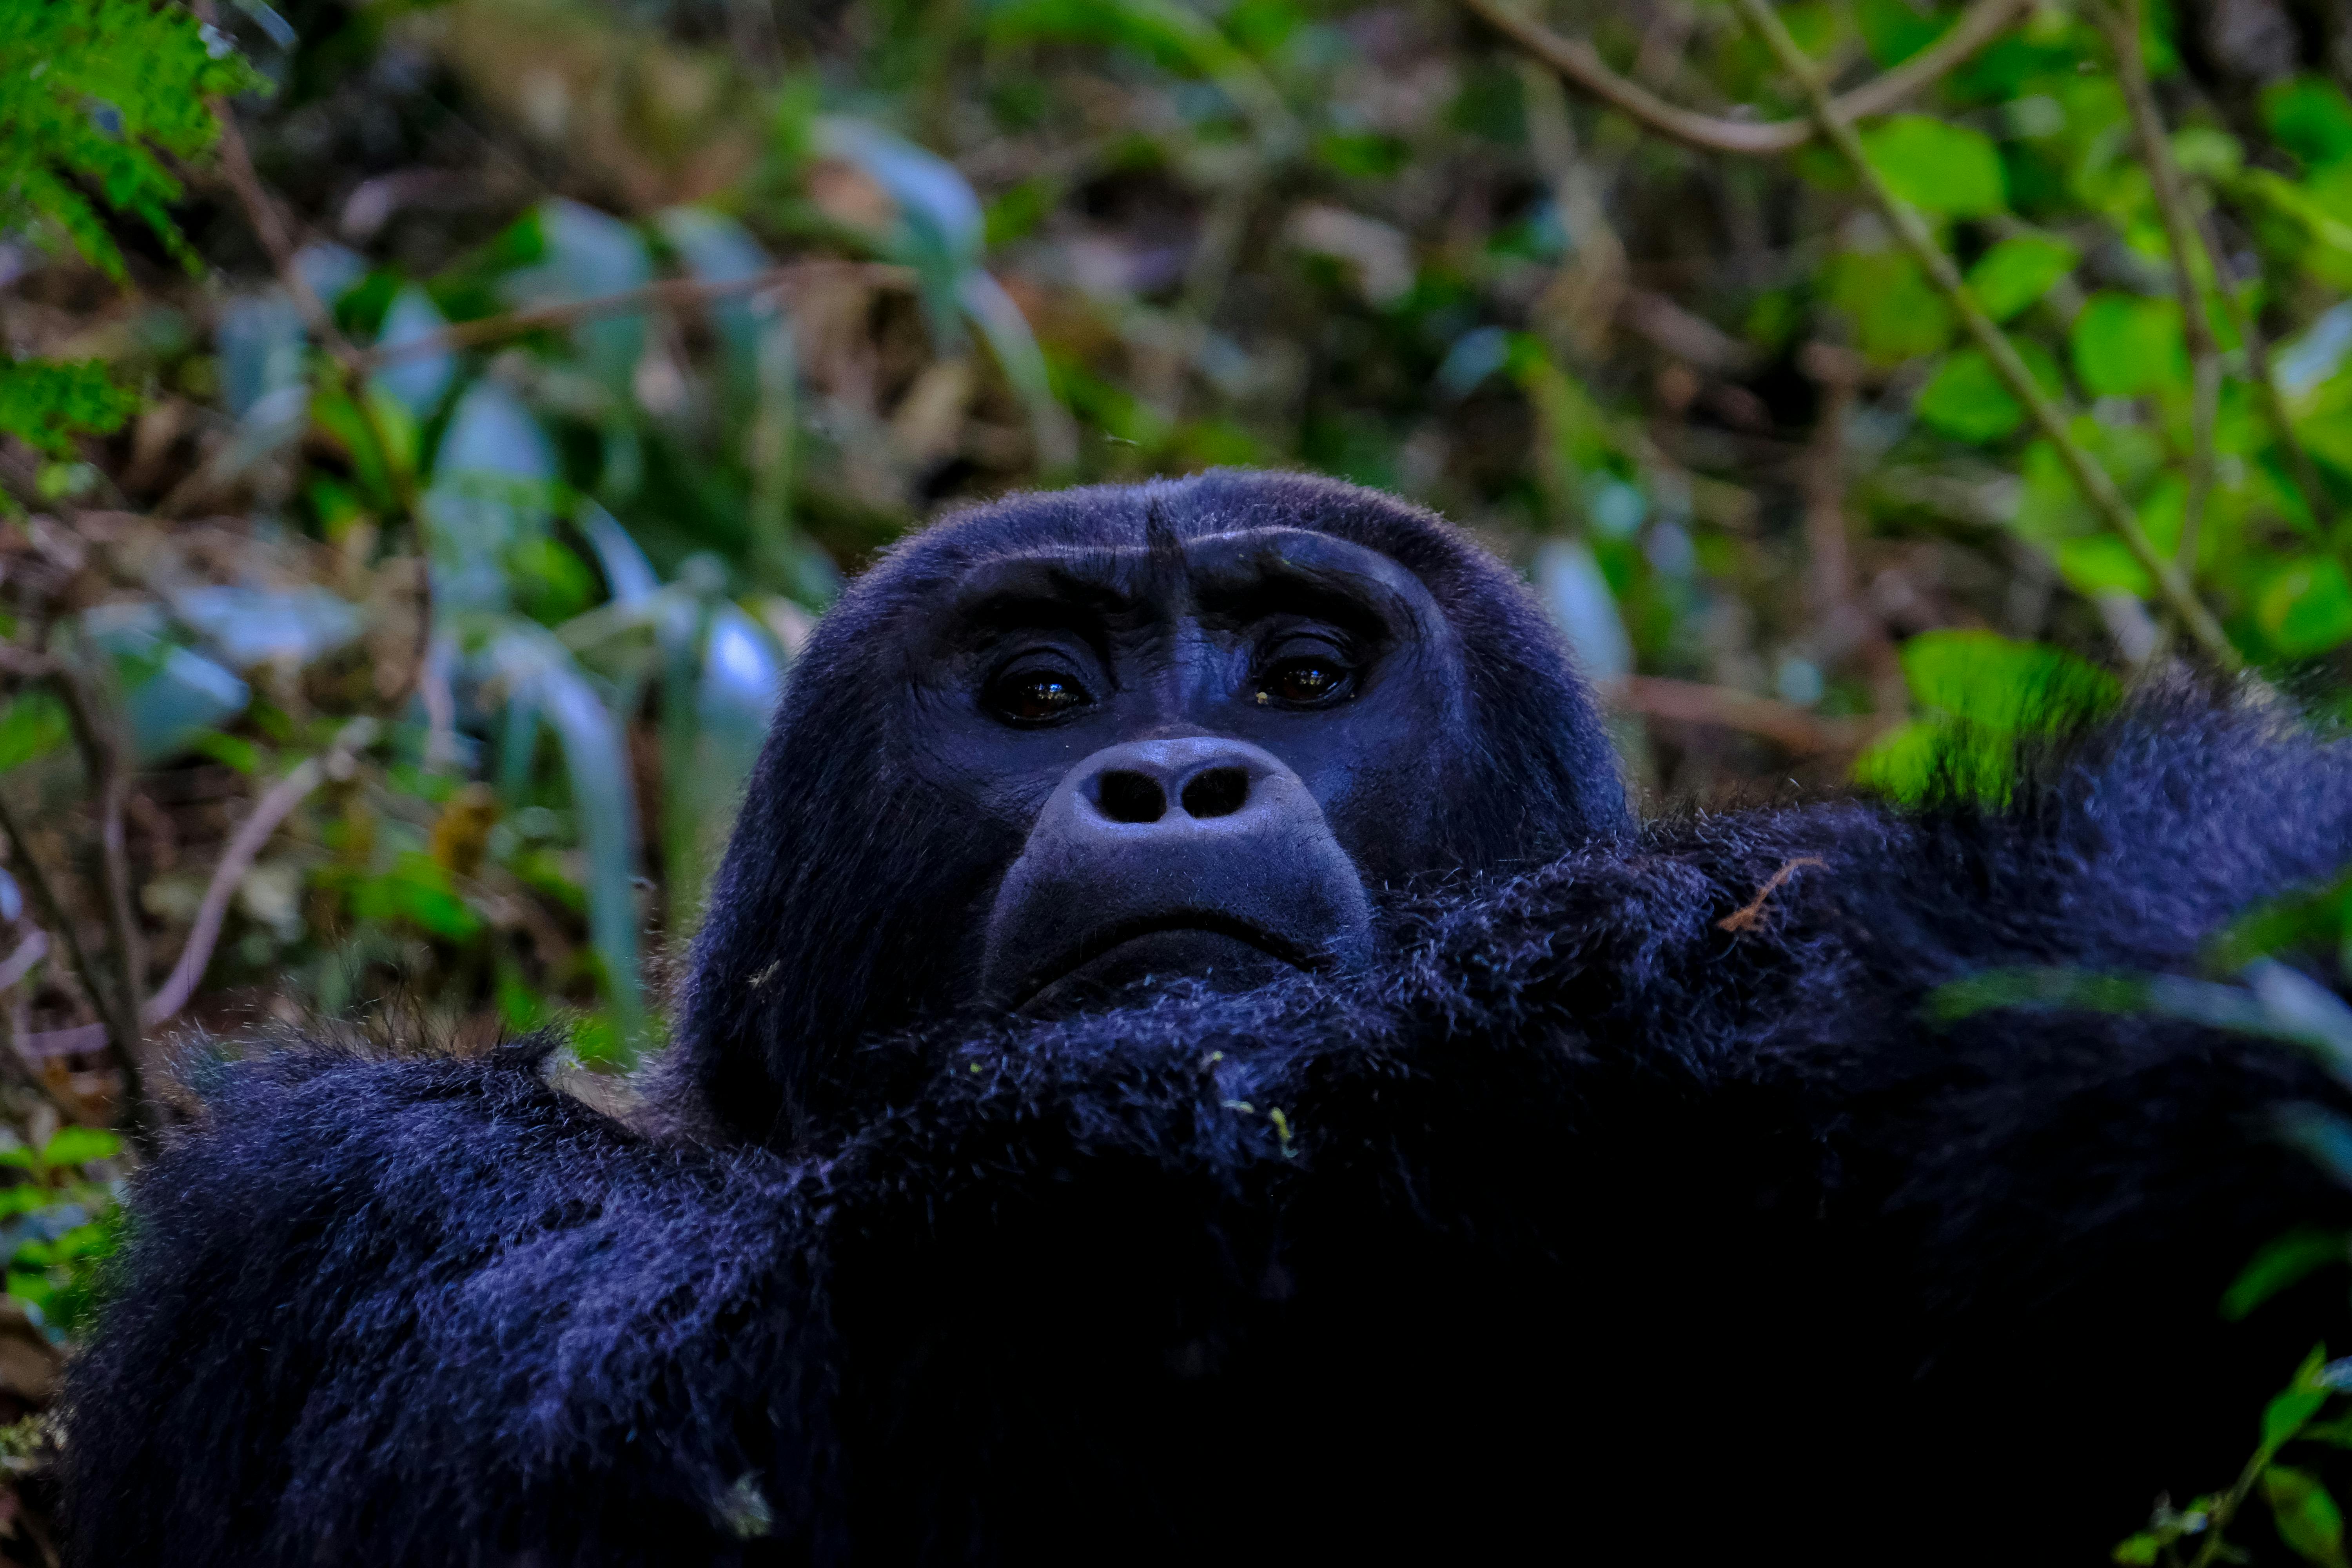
1651,1132
1585,1162
432,1311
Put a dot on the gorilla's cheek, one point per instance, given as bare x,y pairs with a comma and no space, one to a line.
1202,856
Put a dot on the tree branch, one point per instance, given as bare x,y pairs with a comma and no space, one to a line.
1785,725
2274,403
1581,64
2123,29
1911,230
98,737
669,291
244,848
144,1124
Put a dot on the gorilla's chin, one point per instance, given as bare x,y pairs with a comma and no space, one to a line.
1222,960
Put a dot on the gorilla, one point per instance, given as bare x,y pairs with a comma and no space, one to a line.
1191,1056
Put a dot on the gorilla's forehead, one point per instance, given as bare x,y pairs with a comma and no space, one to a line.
1239,575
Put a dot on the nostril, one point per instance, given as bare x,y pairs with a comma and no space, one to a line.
1130,797
1219,792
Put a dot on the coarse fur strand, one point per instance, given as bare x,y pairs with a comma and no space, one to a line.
1581,1221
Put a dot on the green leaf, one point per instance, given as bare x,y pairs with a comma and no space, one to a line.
2019,271
1893,31
95,96
1938,166
46,405
2310,117
2003,687
32,725
2307,609
2281,1263
1968,400
2308,1519
1896,313
2137,1551
80,1146
2124,345
2287,1412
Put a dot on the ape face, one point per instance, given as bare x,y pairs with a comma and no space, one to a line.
1059,753
1208,745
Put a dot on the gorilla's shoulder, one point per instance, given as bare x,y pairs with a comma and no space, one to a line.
545,1286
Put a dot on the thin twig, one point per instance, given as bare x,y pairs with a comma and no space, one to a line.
2273,402
1581,64
1784,724
347,366
2122,30
122,1033
2218,1518
1911,230
244,848
668,291
98,735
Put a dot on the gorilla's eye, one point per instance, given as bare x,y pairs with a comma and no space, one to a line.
1304,681
1034,694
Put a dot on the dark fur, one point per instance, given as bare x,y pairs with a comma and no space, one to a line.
1587,1222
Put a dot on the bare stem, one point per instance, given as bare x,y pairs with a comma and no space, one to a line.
98,735
1911,230
2273,402
121,1032
244,848
2227,1509
1581,64
1791,728
2181,236
668,291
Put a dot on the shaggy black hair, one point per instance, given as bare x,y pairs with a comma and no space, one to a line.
1634,1207
799,960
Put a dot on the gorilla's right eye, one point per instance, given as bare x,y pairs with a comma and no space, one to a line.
1035,694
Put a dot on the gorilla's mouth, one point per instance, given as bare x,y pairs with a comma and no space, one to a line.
1204,944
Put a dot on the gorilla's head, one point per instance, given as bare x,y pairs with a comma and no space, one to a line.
1208,729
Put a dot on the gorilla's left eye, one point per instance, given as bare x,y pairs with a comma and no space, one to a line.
1304,681
1032,695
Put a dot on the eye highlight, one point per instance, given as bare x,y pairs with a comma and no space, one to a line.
1035,694
1306,680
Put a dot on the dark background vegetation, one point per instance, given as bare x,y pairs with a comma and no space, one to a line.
414,483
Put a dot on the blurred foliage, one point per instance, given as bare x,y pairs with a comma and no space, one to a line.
453,465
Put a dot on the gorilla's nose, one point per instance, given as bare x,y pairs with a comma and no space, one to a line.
1200,857
1132,786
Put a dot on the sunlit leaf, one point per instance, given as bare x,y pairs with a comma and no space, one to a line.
2125,344
1897,314
2004,687
2301,1400
1569,580
1967,399
529,659
2306,606
2019,271
415,381
588,253
261,342
1939,166
32,725
80,1146
2311,118
718,249
1006,332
